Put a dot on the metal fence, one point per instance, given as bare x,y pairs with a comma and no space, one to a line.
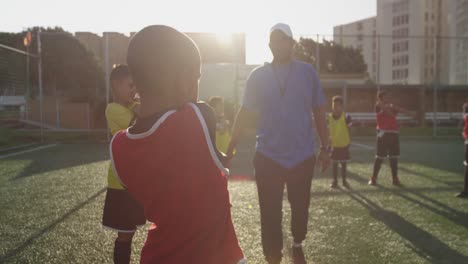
424,73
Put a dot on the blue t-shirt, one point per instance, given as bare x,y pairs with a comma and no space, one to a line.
283,96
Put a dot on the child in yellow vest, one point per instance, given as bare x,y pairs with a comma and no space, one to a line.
121,212
223,127
339,124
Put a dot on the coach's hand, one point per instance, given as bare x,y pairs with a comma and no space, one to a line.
324,159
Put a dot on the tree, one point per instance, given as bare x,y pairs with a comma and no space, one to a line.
333,58
69,69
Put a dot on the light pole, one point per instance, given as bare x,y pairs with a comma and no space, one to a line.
27,43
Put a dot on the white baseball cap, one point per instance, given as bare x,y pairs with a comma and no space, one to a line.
285,28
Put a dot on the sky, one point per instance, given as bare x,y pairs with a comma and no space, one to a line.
254,17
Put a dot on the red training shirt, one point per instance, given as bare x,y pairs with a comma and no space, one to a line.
173,171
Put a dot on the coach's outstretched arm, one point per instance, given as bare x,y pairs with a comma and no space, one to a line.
322,130
244,119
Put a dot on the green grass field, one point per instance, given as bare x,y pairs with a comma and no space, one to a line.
51,206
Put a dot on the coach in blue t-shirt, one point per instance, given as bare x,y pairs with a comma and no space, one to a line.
281,97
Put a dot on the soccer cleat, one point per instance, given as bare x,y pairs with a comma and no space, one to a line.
462,195
298,255
346,184
372,181
334,184
396,181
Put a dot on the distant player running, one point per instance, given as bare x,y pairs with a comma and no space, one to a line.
464,193
388,140
339,123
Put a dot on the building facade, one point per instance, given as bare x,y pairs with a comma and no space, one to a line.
417,41
360,35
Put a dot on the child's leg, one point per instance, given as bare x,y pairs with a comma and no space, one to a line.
394,153
394,166
123,248
382,152
343,170
465,189
335,171
377,165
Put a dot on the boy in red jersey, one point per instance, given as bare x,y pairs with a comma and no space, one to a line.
168,160
464,193
388,141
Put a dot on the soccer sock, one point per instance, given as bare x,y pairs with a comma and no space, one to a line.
343,170
466,180
297,244
122,251
377,165
335,171
394,167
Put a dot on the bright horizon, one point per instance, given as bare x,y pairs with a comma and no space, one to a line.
223,17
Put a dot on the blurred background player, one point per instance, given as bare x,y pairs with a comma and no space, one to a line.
121,212
464,193
339,123
223,126
388,140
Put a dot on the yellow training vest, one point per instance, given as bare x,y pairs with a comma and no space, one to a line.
118,118
339,131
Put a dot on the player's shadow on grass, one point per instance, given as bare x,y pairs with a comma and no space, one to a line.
457,217
420,241
454,184
12,253
61,157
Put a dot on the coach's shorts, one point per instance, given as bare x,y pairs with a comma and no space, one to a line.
388,145
340,154
121,212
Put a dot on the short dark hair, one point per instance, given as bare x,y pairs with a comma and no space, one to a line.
381,94
119,71
465,108
215,100
337,99
157,54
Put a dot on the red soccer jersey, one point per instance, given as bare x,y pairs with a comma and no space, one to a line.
465,128
173,171
386,120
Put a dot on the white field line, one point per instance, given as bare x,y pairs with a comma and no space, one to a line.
366,147
17,147
27,151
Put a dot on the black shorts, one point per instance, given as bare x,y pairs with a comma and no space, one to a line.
121,212
388,145
340,154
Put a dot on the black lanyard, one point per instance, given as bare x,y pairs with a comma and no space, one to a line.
286,82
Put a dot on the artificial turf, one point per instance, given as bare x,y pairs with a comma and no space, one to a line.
51,207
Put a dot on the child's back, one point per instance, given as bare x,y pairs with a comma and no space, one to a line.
170,166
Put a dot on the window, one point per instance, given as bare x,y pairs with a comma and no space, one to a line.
359,26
